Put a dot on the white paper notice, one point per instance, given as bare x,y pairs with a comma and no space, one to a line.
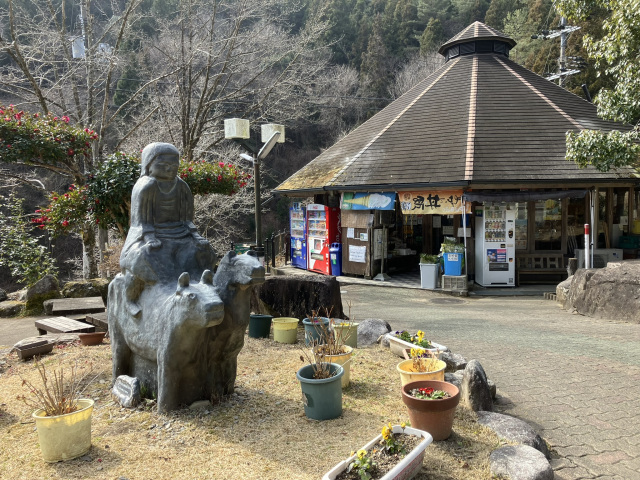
357,254
350,232
364,237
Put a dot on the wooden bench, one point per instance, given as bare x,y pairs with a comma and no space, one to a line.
540,264
99,320
63,325
73,306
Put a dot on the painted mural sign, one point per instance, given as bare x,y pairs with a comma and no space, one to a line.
433,202
368,201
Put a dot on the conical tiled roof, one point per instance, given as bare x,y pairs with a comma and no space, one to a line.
481,119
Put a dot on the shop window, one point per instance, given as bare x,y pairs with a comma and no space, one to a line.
548,225
522,235
603,227
621,210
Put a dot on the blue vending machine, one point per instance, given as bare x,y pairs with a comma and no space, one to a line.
298,223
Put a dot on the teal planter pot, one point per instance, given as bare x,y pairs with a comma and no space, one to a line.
314,331
322,398
259,326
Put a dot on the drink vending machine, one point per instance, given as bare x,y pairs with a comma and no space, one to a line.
298,225
323,229
495,246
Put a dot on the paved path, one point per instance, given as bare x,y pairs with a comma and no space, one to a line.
575,379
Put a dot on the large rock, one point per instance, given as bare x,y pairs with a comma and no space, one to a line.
46,288
454,361
520,462
475,392
298,295
562,290
95,287
610,292
11,308
370,329
3,295
513,430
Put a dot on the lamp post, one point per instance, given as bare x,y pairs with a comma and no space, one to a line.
238,129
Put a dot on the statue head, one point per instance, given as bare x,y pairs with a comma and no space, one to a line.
153,151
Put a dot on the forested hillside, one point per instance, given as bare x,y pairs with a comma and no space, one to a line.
137,71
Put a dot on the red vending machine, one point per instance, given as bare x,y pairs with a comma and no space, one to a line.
323,229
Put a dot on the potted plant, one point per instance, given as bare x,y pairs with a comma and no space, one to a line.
432,405
334,349
348,332
63,419
453,254
314,328
422,365
402,339
320,382
429,266
397,453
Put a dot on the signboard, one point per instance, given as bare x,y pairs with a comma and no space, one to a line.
433,202
368,201
357,254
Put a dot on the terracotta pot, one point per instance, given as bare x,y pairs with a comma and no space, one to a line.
91,338
433,416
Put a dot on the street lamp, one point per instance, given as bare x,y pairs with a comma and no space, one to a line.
238,129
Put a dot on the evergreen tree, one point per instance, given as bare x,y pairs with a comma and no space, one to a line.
432,37
376,68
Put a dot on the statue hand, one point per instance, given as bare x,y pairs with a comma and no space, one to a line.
152,242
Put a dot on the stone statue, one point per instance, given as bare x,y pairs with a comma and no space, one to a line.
179,338
162,241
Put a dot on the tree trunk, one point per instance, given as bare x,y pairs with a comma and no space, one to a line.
89,264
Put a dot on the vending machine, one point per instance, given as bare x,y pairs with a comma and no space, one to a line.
495,246
298,225
323,229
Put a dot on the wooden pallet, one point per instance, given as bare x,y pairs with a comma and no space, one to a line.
99,320
74,306
62,325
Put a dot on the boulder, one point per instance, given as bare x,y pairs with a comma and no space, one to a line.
475,392
46,288
126,391
298,295
11,308
370,329
513,430
610,292
95,287
454,378
3,295
520,462
562,290
454,361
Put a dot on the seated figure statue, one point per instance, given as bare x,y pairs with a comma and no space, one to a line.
162,242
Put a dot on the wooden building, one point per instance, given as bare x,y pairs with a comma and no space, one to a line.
481,130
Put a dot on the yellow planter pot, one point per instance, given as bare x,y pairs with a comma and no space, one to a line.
348,334
408,374
343,359
65,437
285,329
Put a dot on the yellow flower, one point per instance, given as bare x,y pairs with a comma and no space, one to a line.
386,432
362,454
420,335
403,425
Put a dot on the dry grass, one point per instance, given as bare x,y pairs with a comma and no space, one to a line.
260,432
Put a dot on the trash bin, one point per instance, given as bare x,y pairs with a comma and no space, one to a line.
335,254
453,263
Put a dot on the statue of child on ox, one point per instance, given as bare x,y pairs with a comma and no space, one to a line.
179,338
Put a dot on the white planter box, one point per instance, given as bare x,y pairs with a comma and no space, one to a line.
397,346
407,468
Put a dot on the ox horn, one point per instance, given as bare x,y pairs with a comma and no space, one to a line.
207,277
183,280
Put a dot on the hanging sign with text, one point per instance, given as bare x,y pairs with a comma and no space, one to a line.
433,202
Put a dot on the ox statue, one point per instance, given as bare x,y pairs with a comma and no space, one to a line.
234,277
163,347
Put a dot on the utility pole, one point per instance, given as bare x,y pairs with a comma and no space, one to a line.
566,65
